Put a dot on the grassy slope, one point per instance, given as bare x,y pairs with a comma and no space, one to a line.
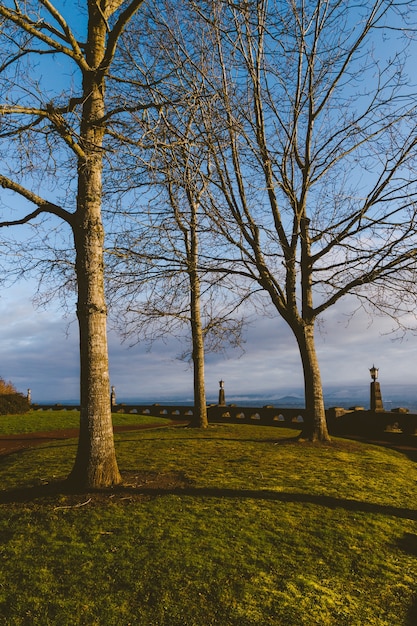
269,532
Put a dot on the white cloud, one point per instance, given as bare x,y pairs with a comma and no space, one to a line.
39,350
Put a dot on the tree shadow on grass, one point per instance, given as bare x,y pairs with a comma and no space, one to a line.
406,444
139,486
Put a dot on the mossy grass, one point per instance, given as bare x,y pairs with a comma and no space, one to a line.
237,525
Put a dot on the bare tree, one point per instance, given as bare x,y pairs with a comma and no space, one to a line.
53,128
155,272
313,142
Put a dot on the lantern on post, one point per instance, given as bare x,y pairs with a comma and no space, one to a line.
374,372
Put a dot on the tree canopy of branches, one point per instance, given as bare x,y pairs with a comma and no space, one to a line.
156,274
299,161
309,122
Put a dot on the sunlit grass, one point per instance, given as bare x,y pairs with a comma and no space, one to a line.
265,531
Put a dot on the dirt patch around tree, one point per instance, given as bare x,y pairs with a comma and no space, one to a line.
59,494
136,487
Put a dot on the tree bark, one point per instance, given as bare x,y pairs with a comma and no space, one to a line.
95,464
200,405
315,425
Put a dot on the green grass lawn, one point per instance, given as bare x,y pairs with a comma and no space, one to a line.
238,525
39,421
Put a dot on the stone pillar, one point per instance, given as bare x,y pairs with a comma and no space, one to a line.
376,397
113,397
222,400
29,396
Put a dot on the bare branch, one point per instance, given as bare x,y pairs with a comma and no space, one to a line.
43,205
114,35
35,29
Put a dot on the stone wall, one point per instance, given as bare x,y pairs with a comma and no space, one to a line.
355,421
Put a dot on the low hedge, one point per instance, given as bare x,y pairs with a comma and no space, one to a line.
13,403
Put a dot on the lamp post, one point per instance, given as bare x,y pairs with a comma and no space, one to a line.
376,396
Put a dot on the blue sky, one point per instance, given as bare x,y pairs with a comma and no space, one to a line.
39,350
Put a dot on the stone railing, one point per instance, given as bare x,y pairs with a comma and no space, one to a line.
340,421
371,423
265,415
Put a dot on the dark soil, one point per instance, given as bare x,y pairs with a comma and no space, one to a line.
136,487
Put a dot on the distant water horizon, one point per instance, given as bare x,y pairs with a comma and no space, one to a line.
393,396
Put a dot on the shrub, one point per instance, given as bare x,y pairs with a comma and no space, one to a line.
6,388
11,401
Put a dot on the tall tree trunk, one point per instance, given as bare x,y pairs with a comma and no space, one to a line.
315,425
200,404
95,465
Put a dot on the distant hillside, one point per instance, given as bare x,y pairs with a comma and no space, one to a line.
343,396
